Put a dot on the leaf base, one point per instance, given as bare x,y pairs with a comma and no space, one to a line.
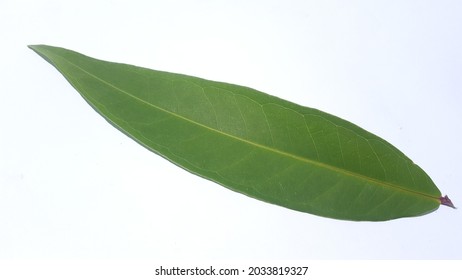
446,201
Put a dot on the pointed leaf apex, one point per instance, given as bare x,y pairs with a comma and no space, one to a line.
446,201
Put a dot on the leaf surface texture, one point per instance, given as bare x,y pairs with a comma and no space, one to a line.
253,143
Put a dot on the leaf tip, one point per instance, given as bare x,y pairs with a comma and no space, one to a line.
446,201
32,47
37,48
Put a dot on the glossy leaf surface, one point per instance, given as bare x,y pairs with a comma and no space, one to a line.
253,143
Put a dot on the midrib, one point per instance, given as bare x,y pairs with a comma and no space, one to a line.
257,145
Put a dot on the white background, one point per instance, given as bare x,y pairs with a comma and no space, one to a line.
73,187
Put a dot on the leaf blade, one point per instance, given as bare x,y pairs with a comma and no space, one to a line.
253,143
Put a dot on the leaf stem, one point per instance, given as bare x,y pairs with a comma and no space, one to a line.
446,201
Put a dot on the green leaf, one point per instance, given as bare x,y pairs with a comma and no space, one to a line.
253,143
